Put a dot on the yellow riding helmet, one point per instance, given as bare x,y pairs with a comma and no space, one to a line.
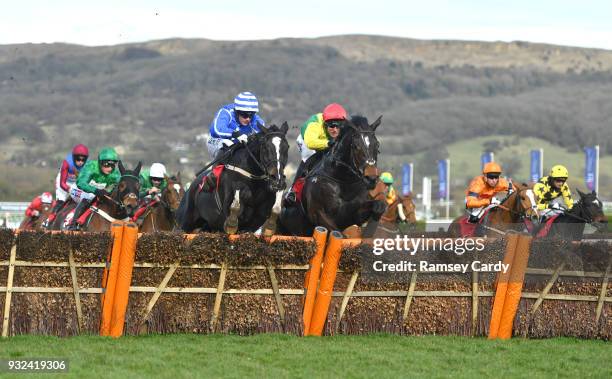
386,178
492,167
559,171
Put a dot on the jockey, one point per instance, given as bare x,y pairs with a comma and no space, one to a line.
35,207
66,178
390,195
552,192
152,181
232,123
316,136
97,178
483,188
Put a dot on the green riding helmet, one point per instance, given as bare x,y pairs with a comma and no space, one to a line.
386,178
108,154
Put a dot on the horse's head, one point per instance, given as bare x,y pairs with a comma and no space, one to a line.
126,193
171,195
591,209
273,151
526,204
358,147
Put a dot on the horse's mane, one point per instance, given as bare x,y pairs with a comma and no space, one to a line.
361,122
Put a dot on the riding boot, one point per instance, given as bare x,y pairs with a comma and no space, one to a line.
78,212
56,208
290,197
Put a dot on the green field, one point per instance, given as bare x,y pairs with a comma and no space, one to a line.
268,355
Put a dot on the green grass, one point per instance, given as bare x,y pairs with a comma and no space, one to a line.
175,356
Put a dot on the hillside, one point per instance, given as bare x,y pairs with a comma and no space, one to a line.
150,100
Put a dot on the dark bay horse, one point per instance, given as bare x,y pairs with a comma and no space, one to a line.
335,192
509,215
119,205
570,225
249,191
161,215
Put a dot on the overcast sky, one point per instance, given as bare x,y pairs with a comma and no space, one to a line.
109,22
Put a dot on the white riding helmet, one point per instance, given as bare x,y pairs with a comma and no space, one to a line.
46,198
158,170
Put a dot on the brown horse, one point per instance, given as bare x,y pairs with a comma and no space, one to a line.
119,205
402,210
508,215
35,223
160,216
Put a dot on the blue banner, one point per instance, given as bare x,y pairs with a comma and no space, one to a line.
406,179
442,177
485,158
590,168
535,172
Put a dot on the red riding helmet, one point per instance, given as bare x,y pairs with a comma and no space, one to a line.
80,149
334,111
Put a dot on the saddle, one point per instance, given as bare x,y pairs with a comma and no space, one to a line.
468,228
542,229
298,188
216,171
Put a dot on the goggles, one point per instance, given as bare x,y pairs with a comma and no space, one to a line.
244,114
110,164
80,158
333,124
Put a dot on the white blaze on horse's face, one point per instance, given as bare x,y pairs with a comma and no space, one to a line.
366,141
177,187
531,197
276,141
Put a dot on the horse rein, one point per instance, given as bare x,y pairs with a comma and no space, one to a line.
353,167
130,195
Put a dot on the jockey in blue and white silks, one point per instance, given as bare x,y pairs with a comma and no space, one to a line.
240,116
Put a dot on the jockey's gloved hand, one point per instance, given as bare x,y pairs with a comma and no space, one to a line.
243,138
35,213
495,201
101,192
555,206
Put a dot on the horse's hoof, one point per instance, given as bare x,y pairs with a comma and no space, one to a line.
352,231
231,227
270,226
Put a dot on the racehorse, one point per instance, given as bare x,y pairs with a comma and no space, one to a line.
119,205
35,223
570,224
249,189
497,219
335,192
401,210
160,213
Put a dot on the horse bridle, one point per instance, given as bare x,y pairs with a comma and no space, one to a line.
354,167
131,195
263,166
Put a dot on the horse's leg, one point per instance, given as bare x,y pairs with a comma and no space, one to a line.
231,222
374,209
269,227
